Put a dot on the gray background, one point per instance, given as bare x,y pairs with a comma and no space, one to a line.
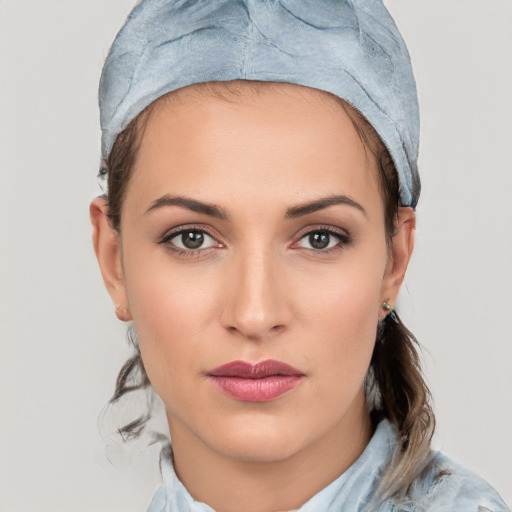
61,346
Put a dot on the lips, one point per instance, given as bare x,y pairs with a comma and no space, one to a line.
260,382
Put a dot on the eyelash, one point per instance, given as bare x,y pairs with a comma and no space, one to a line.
344,240
190,253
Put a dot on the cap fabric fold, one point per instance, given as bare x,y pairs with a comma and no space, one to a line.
351,48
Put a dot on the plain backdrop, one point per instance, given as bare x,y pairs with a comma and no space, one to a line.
61,346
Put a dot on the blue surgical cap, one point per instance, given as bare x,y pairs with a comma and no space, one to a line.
350,48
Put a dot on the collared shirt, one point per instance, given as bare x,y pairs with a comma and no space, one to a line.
443,486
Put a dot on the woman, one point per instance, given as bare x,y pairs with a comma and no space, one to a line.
261,163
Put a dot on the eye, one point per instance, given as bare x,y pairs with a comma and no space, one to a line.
190,239
323,240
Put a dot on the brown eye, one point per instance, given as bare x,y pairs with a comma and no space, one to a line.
319,240
323,240
191,239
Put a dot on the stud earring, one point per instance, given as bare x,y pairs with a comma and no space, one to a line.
390,311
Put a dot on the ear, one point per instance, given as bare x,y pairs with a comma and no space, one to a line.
108,252
399,257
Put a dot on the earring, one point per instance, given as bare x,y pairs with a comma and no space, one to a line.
390,311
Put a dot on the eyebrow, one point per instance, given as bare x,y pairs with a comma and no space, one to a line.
320,204
218,212
191,204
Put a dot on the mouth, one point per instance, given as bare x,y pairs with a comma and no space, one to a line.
260,382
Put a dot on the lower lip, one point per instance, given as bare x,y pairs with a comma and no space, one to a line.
256,390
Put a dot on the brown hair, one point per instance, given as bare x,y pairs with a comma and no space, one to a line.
395,387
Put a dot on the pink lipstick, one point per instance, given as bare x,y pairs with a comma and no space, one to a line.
260,382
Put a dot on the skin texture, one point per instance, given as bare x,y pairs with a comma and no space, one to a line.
257,289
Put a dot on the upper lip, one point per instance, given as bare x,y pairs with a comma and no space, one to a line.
247,370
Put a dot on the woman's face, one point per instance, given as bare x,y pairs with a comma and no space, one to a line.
253,230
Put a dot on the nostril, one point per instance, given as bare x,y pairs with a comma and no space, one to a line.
253,335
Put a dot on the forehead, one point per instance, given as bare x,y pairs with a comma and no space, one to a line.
229,137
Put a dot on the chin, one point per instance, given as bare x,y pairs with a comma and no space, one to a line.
257,440
263,449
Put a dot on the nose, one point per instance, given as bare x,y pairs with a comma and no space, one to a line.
257,305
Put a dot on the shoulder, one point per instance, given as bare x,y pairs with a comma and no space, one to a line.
445,486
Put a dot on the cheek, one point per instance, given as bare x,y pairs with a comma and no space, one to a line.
348,334
346,298
172,309
342,311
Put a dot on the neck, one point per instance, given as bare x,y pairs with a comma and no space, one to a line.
225,482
